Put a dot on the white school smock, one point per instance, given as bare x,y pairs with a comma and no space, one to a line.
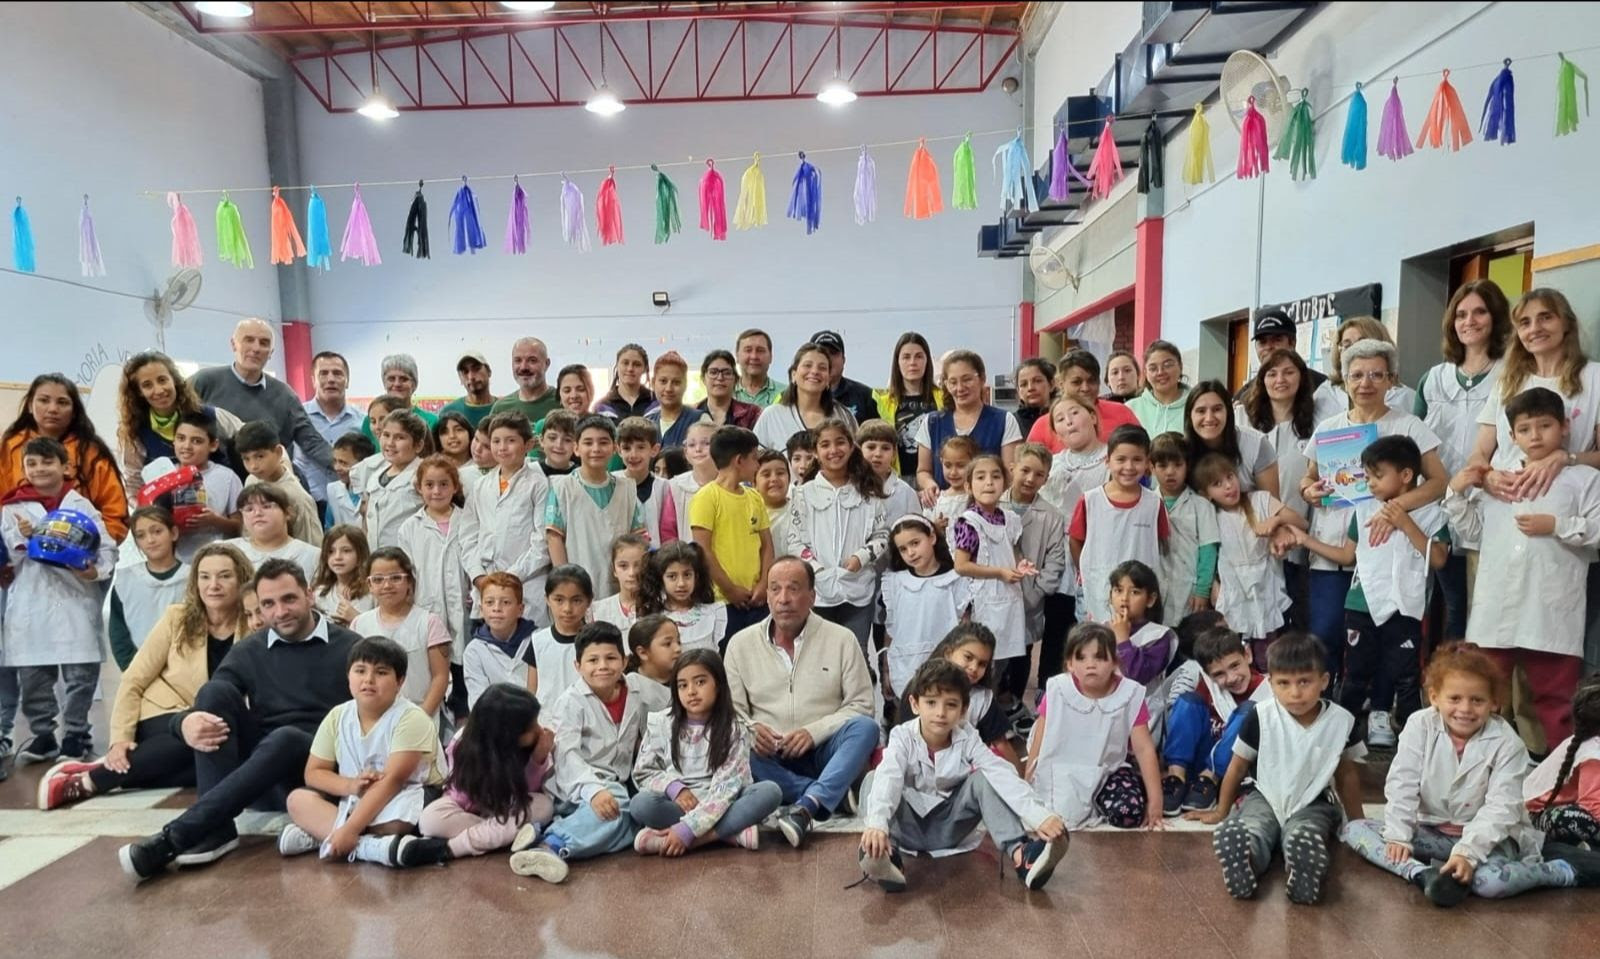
344,506
389,503
1583,415
700,627
1191,524
1071,474
1394,577
1479,791
1294,765
1453,410
947,507
1290,451
827,526
145,599
441,584
591,529
327,602
1085,741
505,533
1113,535
681,489
296,551
557,663
592,751
51,616
370,753
411,634
899,499
995,603
610,610
919,612
651,505
1253,598
1533,595
1331,525
483,664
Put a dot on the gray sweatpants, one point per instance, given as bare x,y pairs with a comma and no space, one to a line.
1303,837
954,819
39,697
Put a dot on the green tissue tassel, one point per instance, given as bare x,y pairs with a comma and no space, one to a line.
1567,96
667,220
1299,143
964,192
232,245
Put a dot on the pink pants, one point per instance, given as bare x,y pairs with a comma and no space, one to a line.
473,835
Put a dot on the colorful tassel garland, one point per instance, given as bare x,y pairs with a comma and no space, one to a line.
805,197
518,229
964,191
286,242
924,195
1016,177
1445,111
232,244
1354,151
185,237
1567,96
1499,120
608,210
1298,144
22,255
466,233
416,241
1105,170
1152,164
573,229
90,263
713,202
667,220
359,243
866,192
751,210
319,248
1253,156
1394,141
1197,163
1060,162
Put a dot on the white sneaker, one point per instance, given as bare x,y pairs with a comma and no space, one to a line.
540,861
526,836
294,841
1380,734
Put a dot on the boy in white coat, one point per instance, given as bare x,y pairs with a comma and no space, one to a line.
504,518
938,782
52,622
1530,612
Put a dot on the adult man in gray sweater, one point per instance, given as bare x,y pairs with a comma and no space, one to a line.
244,389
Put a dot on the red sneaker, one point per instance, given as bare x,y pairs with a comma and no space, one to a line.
63,785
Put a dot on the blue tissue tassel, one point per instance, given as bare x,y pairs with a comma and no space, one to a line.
22,240
805,202
1354,152
1499,120
319,246
465,233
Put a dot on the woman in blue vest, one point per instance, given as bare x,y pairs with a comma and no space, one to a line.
992,429
154,397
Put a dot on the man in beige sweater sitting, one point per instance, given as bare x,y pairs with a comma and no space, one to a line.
802,686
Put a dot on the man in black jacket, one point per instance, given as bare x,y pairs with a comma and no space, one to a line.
252,723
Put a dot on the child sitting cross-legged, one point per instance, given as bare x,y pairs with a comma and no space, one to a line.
939,781
369,761
498,763
693,770
1294,748
1454,794
1203,722
597,722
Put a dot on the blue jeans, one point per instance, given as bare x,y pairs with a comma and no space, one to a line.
1189,742
1325,591
584,835
824,774
739,618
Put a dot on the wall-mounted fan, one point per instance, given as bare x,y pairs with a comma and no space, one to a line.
182,288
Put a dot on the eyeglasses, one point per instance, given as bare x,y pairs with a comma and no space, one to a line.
1165,367
391,578
1367,376
719,373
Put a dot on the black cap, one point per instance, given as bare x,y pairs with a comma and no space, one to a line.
828,340
1273,322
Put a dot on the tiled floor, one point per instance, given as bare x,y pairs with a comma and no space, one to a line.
1117,894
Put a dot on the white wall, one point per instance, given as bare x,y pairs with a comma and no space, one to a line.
1076,54
102,100
871,283
1348,227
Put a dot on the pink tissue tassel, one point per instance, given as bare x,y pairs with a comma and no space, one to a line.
1253,150
713,203
358,242
185,237
1106,167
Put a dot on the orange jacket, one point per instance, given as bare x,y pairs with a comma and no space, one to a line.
97,479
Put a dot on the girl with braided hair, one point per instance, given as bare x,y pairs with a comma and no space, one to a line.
1563,792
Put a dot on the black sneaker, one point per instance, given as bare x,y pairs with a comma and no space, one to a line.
1173,789
1305,861
1442,890
76,746
1585,863
409,852
1202,794
211,848
888,871
39,749
1039,860
1232,846
147,858
795,824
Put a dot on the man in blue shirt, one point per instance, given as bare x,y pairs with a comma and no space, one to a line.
330,415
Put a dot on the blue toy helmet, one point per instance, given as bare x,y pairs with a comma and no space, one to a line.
65,537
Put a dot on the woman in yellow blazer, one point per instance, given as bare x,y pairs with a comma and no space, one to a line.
910,396
180,654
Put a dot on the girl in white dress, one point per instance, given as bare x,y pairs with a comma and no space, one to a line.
678,584
389,494
924,597
1081,464
629,553
985,538
339,588
420,633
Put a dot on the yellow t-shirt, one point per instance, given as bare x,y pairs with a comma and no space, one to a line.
735,521
414,732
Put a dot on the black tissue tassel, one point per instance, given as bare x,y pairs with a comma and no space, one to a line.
1151,174
416,242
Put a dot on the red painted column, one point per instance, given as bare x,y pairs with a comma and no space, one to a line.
1149,240
297,356
1027,339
